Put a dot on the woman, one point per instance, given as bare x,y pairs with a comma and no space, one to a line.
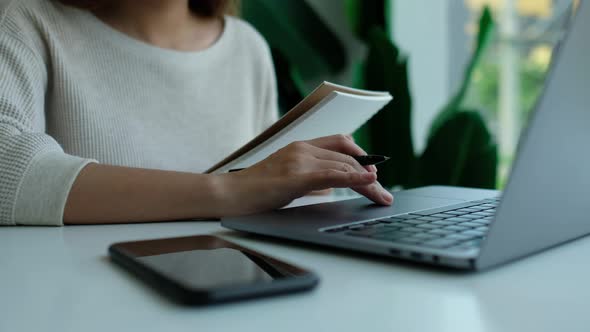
110,109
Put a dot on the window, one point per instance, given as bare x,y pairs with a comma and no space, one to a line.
510,77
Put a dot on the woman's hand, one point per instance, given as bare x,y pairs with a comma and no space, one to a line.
114,194
298,169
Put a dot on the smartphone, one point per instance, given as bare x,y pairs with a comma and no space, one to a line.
204,269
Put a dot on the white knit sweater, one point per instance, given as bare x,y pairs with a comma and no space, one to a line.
74,91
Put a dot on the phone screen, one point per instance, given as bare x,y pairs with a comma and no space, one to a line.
212,268
204,269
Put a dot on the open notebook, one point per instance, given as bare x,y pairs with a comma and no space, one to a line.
330,109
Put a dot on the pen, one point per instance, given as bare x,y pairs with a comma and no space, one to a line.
370,159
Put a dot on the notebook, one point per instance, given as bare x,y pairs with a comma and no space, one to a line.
329,110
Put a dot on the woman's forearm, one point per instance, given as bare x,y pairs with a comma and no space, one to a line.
111,194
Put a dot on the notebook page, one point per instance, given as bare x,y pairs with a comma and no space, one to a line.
337,113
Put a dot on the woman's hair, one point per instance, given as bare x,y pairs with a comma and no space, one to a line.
206,8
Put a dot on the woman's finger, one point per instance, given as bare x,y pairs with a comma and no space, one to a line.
328,155
339,143
376,193
330,178
368,185
342,144
321,165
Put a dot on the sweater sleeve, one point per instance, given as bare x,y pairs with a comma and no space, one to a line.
270,107
35,173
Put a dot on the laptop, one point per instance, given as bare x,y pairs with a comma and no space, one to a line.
546,201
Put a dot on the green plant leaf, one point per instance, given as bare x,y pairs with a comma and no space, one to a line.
290,88
299,34
461,152
484,36
362,136
363,15
390,130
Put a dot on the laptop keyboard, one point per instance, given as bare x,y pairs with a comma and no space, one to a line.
462,226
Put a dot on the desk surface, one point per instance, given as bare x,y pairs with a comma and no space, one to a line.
60,279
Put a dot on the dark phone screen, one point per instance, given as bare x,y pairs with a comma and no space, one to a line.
211,268
208,262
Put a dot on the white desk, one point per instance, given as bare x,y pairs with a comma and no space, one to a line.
60,279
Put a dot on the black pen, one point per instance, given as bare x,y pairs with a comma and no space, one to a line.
370,159
366,160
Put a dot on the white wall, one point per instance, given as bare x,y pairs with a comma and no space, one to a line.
417,30
430,33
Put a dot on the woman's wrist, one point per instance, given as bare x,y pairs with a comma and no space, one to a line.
217,188
229,194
